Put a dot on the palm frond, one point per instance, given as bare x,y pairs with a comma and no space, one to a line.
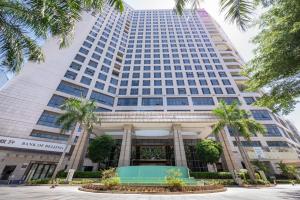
238,12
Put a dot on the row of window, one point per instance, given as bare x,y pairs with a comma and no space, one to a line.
258,144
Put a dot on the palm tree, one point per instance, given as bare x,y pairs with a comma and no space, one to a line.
243,126
76,111
23,24
236,11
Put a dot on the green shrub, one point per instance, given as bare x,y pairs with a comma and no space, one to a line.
82,181
111,182
174,180
81,174
39,181
110,178
211,175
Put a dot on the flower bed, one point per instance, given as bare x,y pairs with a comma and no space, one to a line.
151,189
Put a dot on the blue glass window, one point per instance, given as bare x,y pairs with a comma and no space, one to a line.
261,114
152,101
49,119
102,98
200,101
56,101
179,101
127,101
72,89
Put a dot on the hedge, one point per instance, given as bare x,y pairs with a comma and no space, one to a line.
211,175
81,174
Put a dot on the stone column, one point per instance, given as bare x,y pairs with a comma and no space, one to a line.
125,153
180,158
227,156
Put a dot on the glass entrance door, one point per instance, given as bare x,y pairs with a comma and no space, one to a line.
152,152
40,171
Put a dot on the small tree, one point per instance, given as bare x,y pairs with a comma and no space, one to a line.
210,151
289,171
100,148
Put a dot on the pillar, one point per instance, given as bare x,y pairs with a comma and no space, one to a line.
180,158
125,153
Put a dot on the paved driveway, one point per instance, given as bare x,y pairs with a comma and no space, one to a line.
280,192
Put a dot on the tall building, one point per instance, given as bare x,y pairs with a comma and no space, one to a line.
155,76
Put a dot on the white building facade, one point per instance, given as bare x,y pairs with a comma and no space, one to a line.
155,76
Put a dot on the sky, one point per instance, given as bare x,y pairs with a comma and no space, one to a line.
240,40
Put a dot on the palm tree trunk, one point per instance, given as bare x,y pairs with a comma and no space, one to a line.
245,158
62,157
78,150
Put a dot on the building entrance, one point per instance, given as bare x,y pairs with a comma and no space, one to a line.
40,171
152,152
7,171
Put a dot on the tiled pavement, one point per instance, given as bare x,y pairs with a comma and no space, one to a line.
280,192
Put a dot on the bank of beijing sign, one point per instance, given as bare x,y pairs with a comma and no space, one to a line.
31,144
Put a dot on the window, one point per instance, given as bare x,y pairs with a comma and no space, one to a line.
72,89
181,91
229,100
152,101
169,90
146,91
75,66
83,50
48,135
70,75
49,119
93,63
272,130
200,101
249,100
85,80
214,82
112,90
193,90
135,82
56,101
102,76
277,144
261,114
205,90
157,91
89,71
134,91
203,82
127,101
230,91
178,101
102,98
226,82
124,83
249,143
157,82
192,82
122,91
79,58
218,91
180,82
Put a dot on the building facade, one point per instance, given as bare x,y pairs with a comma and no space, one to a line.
3,78
155,76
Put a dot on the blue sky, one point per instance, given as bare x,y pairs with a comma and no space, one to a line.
241,39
